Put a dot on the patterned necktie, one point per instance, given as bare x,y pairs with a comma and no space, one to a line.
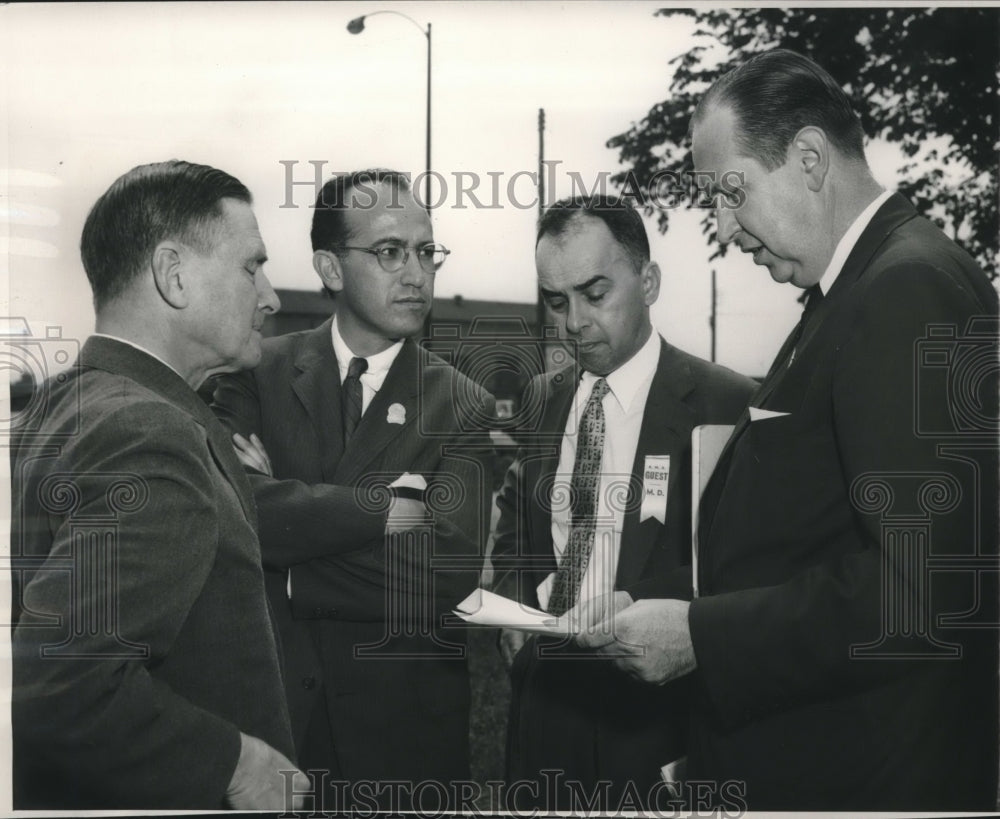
583,494
352,396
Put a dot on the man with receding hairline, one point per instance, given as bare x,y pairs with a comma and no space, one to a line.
604,733
145,666
844,647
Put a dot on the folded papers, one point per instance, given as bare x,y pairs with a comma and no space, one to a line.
484,608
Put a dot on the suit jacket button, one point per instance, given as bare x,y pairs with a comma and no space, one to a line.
308,683
317,612
331,613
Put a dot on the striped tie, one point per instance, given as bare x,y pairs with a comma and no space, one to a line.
583,494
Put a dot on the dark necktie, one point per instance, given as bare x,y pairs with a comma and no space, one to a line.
814,295
583,495
352,396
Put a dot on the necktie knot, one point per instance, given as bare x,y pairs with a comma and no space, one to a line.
599,390
357,367
814,295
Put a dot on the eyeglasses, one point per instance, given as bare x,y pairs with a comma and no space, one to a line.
393,258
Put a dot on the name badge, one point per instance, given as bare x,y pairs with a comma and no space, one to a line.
655,477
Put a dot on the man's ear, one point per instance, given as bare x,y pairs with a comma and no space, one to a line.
811,154
650,276
327,265
169,274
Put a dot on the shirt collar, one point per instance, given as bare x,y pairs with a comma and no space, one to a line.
140,348
848,241
378,364
626,381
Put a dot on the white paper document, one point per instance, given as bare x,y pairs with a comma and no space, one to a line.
484,608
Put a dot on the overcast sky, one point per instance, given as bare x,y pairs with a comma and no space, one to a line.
92,90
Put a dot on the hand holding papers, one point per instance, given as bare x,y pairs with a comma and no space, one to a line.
650,640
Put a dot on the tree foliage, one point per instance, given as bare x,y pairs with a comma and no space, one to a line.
925,79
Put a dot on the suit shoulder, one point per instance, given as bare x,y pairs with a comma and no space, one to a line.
114,419
435,371
716,378
279,347
917,256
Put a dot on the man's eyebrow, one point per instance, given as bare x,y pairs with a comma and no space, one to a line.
399,240
579,288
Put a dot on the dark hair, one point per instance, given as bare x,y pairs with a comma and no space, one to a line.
773,96
329,229
151,203
621,218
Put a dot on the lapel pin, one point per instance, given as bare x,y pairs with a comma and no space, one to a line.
396,414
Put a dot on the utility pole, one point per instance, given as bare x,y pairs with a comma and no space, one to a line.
714,313
539,304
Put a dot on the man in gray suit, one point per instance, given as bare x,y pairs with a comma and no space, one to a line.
145,668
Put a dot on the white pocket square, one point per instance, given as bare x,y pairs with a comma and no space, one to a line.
410,481
758,414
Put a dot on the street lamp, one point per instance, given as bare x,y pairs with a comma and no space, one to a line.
356,26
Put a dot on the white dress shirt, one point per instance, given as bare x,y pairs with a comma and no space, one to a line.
373,378
624,406
848,241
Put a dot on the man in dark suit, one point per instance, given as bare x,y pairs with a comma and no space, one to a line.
605,733
145,670
844,647
354,415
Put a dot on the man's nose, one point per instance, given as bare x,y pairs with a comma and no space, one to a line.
726,225
413,273
575,320
267,300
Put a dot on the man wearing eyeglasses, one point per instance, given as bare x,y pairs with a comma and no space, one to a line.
346,432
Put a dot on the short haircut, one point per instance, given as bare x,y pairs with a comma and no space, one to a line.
621,218
342,192
150,204
773,96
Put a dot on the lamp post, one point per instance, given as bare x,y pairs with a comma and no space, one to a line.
356,26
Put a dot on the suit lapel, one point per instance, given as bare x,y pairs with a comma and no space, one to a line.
375,430
121,358
894,212
317,386
557,402
666,418
225,457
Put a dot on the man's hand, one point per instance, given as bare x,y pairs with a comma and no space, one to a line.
601,611
257,783
252,453
510,642
404,514
650,640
